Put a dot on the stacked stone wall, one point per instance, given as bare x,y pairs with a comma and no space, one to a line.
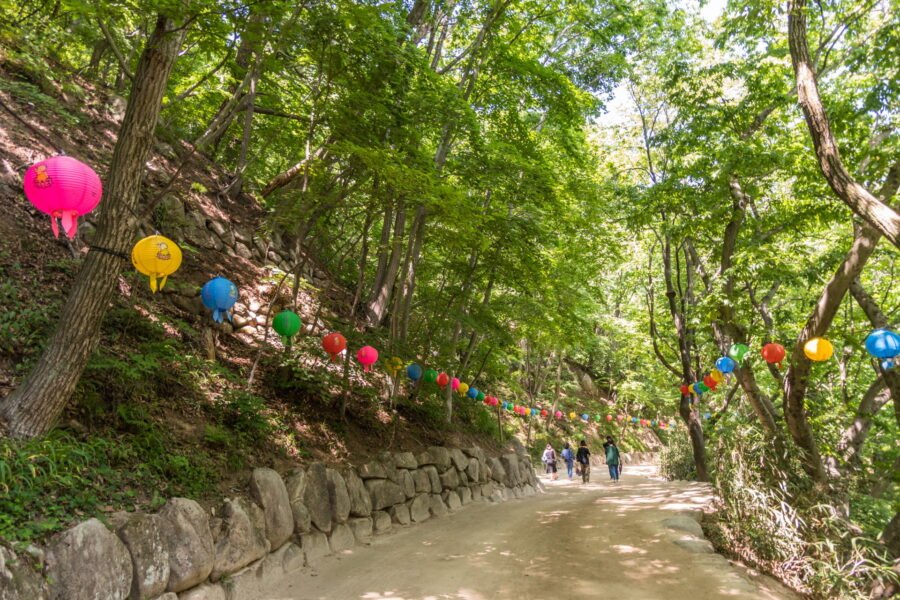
283,524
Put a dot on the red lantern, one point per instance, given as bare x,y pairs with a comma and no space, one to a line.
773,353
710,382
367,355
334,344
63,188
544,413
685,390
442,380
609,417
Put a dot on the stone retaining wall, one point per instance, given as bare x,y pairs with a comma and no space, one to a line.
184,552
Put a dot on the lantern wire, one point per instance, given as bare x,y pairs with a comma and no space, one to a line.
31,128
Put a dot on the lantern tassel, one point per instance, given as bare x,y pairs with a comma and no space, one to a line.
70,223
162,283
54,225
217,315
153,283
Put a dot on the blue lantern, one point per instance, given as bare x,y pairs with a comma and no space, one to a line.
219,295
534,412
885,345
634,419
414,372
472,393
504,405
698,389
706,416
726,365
585,417
653,422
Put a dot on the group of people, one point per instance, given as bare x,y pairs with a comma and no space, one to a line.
580,461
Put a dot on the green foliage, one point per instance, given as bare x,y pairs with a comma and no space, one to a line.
245,414
46,484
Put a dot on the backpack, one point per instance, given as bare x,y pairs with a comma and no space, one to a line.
612,455
567,454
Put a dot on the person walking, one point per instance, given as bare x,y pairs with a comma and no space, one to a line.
569,457
613,460
549,460
584,462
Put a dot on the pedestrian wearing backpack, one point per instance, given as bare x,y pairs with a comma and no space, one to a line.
583,457
613,460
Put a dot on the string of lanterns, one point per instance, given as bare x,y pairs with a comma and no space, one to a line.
67,189
882,344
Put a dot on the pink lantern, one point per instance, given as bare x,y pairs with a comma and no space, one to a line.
367,356
558,414
454,384
495,400
63,188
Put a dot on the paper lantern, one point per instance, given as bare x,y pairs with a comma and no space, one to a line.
367,355
685,390
773,354
620,418
653,423
818,349
454,384
63,188
430,376
473,393
598,418
286,324
480,397
737,352
558,414
709,382
219,295
544,413
157,257
572,416
534,412
884,344
393,365
585,418
334,344
609,418
717,375
414,372
702,388
512,408
462,389
706,416
442,380
725,365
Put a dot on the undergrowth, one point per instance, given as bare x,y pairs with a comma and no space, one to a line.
769,516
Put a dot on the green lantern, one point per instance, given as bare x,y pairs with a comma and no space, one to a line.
737,352
430,376
480,397
286,324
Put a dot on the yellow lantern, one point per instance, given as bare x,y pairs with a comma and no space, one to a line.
462,389
717,375
573,416
393,365
818,349
157,257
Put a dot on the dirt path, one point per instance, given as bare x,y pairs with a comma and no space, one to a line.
574,542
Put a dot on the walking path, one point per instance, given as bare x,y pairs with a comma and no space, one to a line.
602,540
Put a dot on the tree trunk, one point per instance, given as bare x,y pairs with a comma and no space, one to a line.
381,293
33,408
363,259
237,184
417,238
872,210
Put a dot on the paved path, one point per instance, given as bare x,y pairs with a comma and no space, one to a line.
576,542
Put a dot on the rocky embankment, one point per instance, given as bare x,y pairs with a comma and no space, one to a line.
184,552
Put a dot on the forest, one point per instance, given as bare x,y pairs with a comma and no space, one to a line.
580,206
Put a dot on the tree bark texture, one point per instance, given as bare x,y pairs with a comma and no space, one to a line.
33,408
